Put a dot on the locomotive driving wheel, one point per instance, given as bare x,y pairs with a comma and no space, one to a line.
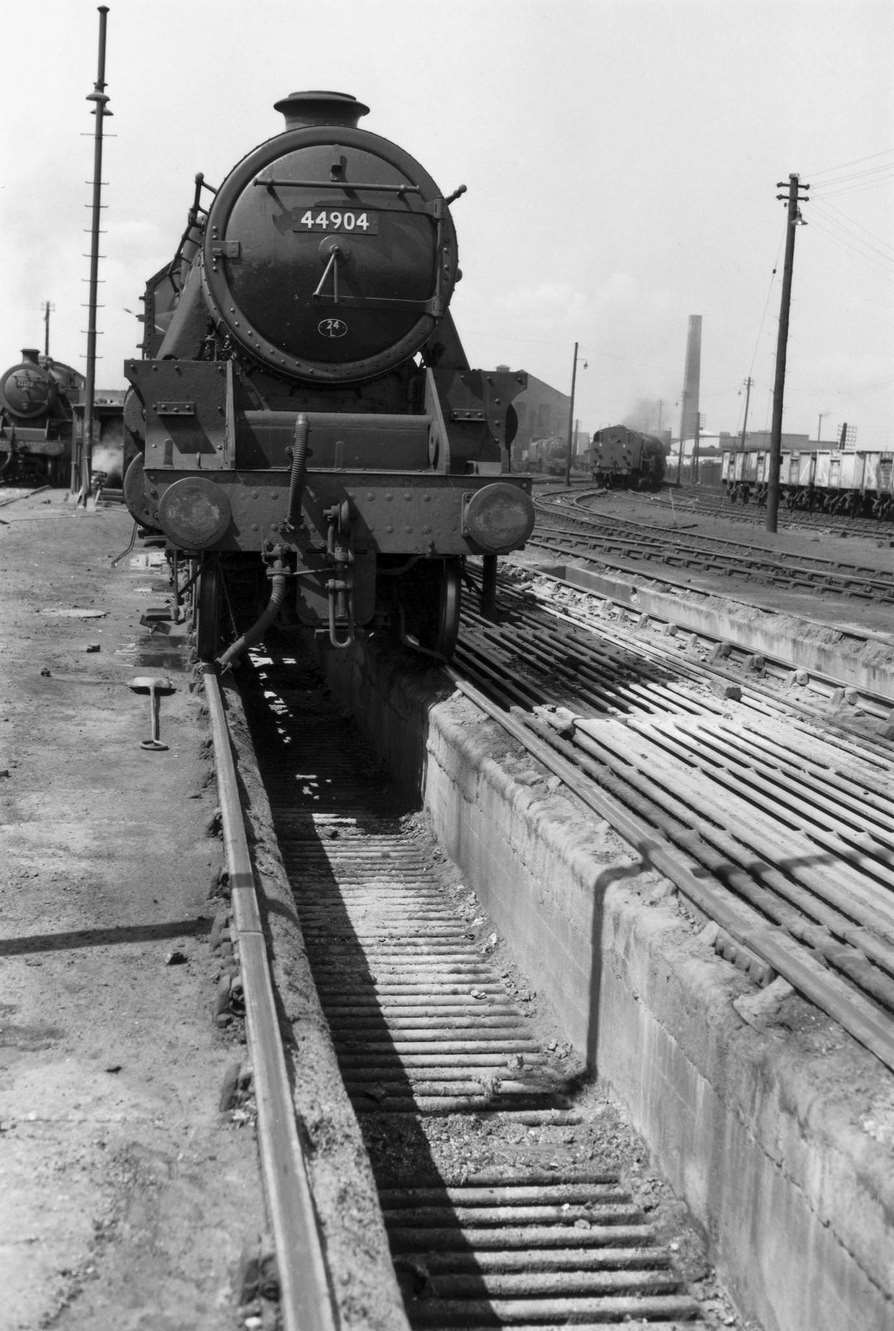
431,596
206,609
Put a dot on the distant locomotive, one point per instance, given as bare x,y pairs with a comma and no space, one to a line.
627,459
304,425
37,399
859,483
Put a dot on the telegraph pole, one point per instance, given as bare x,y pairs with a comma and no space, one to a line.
748,382
793,217
571,419
99,98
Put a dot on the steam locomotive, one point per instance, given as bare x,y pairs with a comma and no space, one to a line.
305,429
37,397
627,458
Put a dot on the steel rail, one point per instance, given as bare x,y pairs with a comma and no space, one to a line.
654,541
703,540
817,519
305,1297
611,549
743,924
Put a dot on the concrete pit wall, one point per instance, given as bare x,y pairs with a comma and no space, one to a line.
765,1118
856,656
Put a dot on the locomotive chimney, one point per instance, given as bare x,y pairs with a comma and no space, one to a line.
30,354
302,109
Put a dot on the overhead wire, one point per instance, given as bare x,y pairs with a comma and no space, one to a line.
844,172
760,330
869,173
854,186
852,242
855,161
863,232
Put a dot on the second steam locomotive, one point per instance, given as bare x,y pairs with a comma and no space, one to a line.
305,427
36,418
627,459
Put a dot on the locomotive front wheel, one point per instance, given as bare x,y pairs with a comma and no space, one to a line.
431,597
207,604
448,606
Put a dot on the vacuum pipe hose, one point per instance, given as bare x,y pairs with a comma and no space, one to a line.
261,624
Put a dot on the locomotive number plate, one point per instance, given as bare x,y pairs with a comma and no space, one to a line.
358,221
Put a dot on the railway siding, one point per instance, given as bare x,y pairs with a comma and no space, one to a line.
759,1121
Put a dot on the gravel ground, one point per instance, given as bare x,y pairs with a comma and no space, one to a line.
126,1196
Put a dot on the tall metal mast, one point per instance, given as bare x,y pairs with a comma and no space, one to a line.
99,98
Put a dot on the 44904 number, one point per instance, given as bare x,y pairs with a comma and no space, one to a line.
338,219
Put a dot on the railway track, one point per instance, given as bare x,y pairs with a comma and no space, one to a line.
720,507
437,1053
621,543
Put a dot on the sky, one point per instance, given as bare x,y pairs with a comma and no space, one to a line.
621,159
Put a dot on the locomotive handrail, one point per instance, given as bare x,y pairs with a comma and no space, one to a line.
431,305
346,185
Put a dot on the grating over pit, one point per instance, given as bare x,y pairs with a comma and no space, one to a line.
429,1037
